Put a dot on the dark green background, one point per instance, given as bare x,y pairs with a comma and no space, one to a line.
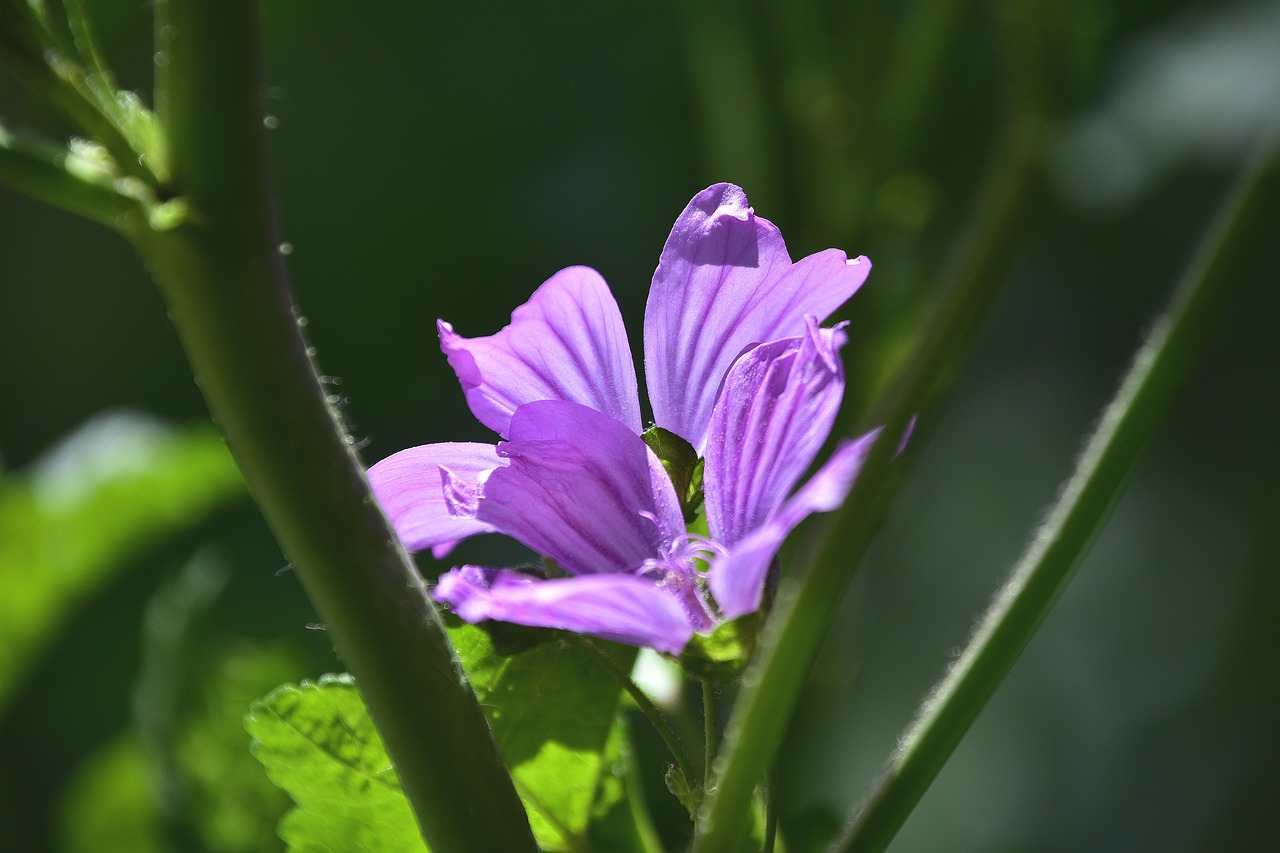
441,160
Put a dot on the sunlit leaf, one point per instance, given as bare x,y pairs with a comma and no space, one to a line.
552,708
118,485
317,743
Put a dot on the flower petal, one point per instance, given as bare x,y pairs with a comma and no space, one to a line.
725,281
737,579
566,343
581,488
624,608
774,412
409,487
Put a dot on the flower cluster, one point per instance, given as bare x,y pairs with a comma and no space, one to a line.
744,385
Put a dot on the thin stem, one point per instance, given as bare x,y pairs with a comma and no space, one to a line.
646,707
37,169
87,45
33,54
228,296
1158,370
806,606
711,733
646,833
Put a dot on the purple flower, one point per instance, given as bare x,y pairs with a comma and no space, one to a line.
737,367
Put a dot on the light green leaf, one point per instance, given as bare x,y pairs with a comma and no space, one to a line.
118,485
552,708
317,742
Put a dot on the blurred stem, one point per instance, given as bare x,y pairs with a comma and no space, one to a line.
87,45
37,169
47,67
730,88
806,606
1159,369
220,272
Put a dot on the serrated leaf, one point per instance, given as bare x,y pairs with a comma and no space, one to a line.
552,708
118,485
317,742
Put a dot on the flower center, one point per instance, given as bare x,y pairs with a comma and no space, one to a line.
681,569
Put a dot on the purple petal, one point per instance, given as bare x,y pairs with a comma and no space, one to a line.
725,281
737,579
774,412
566,343
581,488
409,487
623,608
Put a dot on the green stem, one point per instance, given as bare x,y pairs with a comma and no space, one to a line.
1159,369
711,734
646,707
87,46
805,607
37,169
224,282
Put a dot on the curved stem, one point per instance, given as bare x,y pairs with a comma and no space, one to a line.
1158,371
223,280
646,707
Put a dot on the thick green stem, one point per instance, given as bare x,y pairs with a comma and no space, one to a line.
222,277
1158,371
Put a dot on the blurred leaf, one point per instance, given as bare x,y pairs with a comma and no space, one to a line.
108,805
118,485
122,799
317,742
229,803
552,709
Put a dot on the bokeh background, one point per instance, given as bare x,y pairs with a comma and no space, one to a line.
441,160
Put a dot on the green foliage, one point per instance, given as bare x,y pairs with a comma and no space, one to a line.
191,786
109,806
228,803
119,485
552,708
317,743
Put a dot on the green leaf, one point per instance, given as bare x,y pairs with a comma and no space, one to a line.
120,484
228,802
200,790
317,742
552,708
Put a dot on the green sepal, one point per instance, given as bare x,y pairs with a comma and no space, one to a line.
721,656
682,465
